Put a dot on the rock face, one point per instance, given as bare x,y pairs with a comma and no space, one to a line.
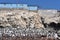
25,18
25,24
50,18
20,18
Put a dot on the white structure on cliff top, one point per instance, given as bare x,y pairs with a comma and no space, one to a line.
21,6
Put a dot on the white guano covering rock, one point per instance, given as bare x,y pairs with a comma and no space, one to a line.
21,18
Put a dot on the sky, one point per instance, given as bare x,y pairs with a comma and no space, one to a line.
43,4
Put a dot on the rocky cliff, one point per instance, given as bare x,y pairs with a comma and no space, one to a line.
18,24
20,18
26,18
50,18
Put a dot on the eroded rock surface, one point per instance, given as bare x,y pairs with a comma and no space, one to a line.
23,23
21,18
50,17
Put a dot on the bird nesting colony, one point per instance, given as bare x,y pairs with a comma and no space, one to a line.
18,24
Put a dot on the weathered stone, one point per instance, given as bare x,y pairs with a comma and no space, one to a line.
49,16
22,18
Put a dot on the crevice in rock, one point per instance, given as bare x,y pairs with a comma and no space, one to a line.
42,19
1,27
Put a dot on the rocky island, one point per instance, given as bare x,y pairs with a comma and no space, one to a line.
21,24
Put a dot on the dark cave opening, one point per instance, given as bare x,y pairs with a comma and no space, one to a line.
1,27
56,26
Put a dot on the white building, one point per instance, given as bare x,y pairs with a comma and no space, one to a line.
32,8
22,6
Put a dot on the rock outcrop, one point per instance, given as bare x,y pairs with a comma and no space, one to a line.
25,18
24,24
20,18
50,18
